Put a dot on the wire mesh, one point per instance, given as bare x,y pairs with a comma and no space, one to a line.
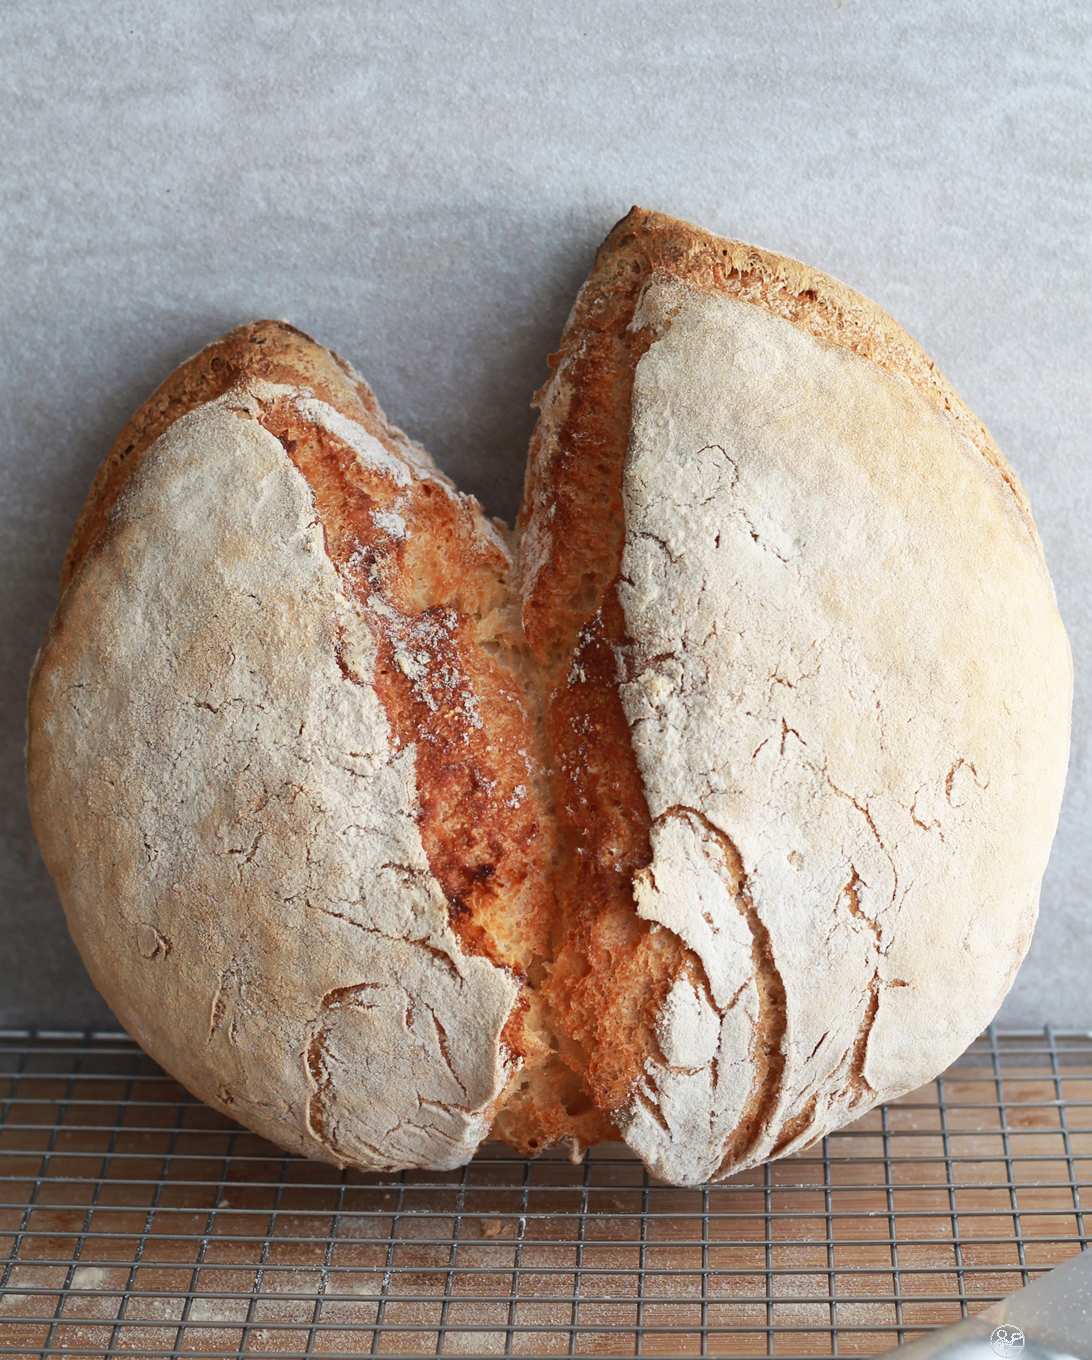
136,1221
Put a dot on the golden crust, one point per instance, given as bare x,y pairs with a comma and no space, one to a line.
531,806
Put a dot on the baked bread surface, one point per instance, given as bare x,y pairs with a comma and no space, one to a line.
668,588
288,620
709,809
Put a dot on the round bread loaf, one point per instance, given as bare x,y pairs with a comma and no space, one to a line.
706,810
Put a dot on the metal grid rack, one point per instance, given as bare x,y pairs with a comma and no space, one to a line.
135,1221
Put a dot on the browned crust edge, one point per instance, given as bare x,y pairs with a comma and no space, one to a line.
643,242
272,350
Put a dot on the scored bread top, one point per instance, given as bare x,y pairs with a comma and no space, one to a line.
412,828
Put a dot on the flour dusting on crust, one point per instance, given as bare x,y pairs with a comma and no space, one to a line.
248,885
848,693
736,829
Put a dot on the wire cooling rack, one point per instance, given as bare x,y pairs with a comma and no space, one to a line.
135,1221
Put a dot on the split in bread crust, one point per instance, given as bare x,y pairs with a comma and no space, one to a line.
518,672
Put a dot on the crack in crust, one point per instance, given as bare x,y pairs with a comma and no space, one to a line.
451,672
749,1133
768,1053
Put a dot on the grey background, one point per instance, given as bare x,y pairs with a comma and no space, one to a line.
422,186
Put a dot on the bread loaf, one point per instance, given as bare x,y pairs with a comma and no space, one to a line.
704,810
